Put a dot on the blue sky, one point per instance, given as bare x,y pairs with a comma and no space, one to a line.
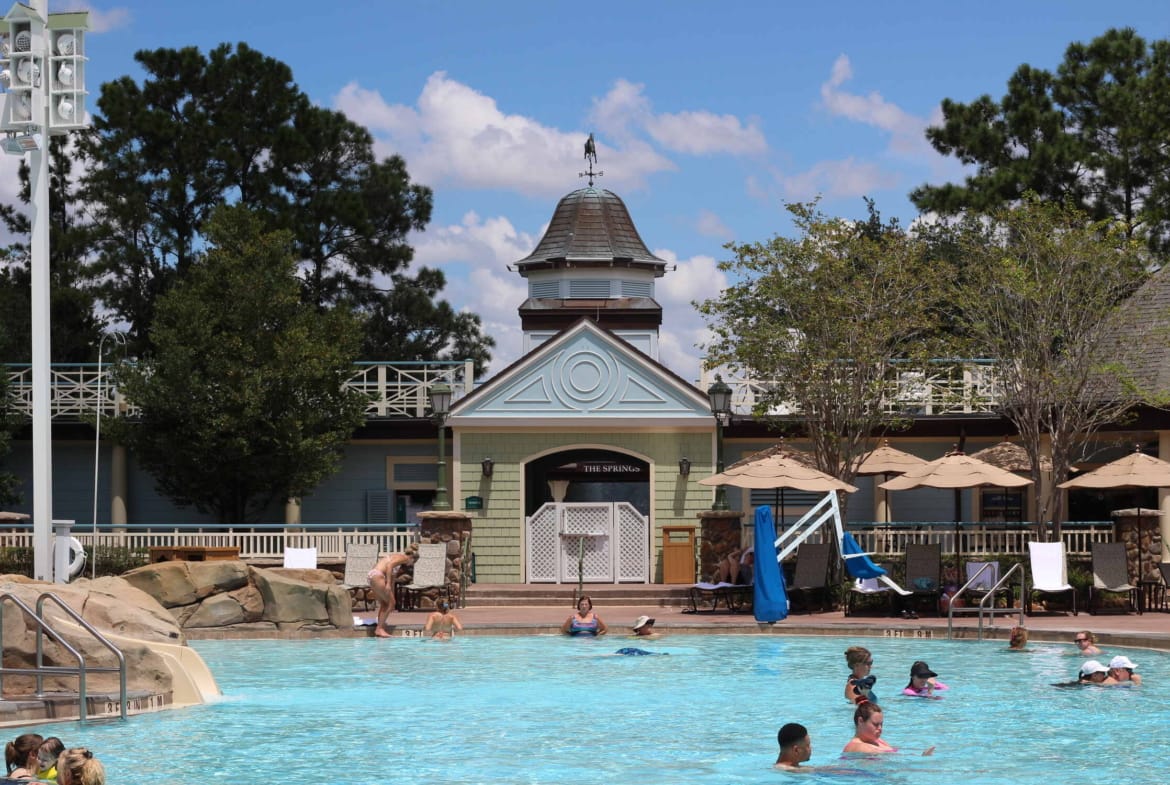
709,116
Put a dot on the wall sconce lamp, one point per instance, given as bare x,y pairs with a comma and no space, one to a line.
684,467
488,465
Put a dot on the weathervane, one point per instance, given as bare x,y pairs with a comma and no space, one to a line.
591,157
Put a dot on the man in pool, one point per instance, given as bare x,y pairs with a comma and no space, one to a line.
644,628
795,746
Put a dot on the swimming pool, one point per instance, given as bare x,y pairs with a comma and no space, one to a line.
543,709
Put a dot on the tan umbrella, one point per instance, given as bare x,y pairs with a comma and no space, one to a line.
1136,470
1011,457
955,470
886,460
778,467
13,516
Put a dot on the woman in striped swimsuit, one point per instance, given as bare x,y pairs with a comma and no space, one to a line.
584,621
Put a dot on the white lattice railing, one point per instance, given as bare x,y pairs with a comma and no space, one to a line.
393,389
269,544
946,387
890,541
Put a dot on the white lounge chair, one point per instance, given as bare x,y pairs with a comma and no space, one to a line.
1049,572
303,558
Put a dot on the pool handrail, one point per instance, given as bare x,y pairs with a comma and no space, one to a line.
987,601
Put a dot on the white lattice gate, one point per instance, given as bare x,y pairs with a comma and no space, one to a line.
611,541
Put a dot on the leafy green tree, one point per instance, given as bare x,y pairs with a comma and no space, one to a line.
233,127
822,317
242,400
75,325
1042,299
1093,134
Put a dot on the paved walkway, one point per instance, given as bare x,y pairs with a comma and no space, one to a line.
1150,630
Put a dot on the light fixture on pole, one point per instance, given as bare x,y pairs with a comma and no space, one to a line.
119,340
719,396
42,61
488,466
440,397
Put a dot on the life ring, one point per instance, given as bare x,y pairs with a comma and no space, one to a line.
77,557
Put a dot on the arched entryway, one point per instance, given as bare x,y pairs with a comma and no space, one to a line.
587,517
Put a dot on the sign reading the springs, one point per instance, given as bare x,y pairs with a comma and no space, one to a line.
610,468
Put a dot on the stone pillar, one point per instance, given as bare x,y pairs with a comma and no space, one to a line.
1140,531
720,534
454,529
118,486
292,512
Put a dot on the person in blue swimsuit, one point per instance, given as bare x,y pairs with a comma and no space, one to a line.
584,621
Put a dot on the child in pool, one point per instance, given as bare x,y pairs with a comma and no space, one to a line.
924,682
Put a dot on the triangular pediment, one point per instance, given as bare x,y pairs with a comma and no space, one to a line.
585,372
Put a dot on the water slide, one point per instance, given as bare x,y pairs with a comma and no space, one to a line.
769,600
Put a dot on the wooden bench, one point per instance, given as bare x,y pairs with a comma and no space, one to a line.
193,553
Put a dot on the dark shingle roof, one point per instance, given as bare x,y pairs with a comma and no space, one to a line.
591,225
1139,336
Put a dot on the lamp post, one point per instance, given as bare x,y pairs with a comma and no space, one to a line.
119,340
719,396
42,71
440,396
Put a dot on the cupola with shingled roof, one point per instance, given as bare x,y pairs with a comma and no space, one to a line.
591,263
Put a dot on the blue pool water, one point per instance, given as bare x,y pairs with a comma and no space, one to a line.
538,710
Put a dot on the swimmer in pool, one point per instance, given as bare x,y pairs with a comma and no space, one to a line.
859,685
1121,668
1086,643
1093,672
584,622
382,585
1018,639
442,623
924,682
867,723
795,746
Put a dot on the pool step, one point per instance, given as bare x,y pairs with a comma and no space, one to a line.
564,595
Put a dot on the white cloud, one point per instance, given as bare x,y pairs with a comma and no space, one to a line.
711,225
844,178
625,109
103,21
683,329
907,131
456,136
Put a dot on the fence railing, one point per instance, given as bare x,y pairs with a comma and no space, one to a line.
975,540
266,541
399,389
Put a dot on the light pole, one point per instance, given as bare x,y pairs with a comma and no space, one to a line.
440,396
120,340
719,396
42,70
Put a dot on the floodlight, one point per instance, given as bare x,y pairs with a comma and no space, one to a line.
6,78
23,41
66,43
28,71
24,143
22,110
66,74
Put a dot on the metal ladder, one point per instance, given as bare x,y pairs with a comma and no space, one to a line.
986,606
80,670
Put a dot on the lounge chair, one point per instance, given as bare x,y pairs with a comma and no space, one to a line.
1049,573
430,572
924,573
860,566
300,558
811,574
360,558
1111,576
870,587
980,583
706,593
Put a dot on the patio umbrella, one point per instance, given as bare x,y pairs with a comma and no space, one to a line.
778,467
955,470
1010,457
1136,470
5,515
886,460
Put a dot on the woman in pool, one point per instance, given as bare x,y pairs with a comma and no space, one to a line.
20,755
584,621
442,624
78,766
1093,672
924,682
867,734
1018,640
382,585
859,685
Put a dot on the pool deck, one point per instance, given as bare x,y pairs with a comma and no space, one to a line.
1150,630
